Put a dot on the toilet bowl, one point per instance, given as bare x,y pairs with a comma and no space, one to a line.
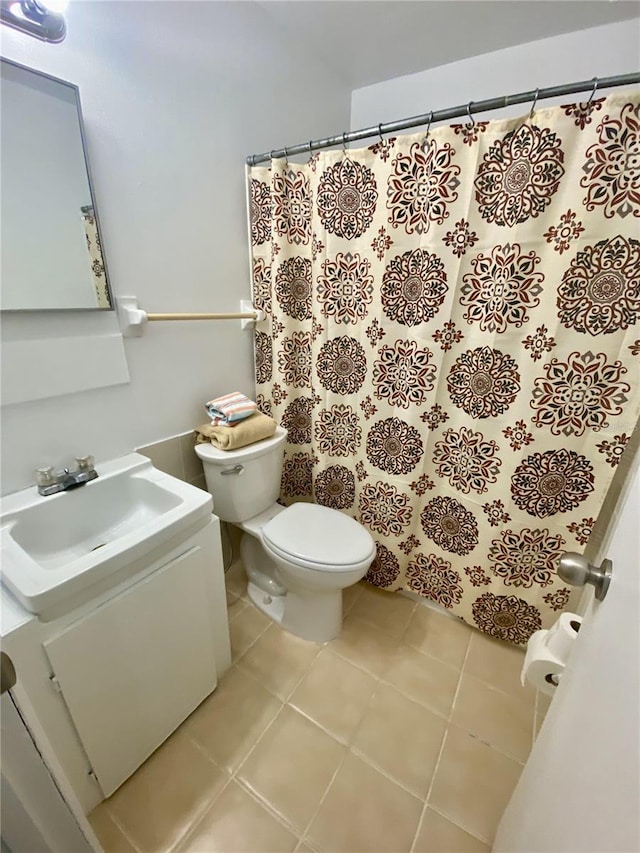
298,558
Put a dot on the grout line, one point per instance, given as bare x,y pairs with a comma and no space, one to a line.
202,749
498,749
260,737
120,826
233,773
303,835
264,802
268,807
358,665
306,842
347,752
193,826
430,605
232,618
356,730
379,682
420,702
459,684
400,641
305,672
522,700
437,659
254,641
284,701
318,724
539,715
415,701
367,760
490,746
383,679
346,610
444,740
349,740
463,828
370,623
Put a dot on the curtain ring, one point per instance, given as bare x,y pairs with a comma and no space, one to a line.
471,118
380,132
344,143
593,91
286,158
533,105
271,153
310,141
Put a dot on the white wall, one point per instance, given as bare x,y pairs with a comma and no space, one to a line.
174,95
45,261
597,52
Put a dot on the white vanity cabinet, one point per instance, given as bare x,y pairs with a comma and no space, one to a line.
109,682
131,670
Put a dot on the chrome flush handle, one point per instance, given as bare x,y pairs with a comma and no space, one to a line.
237,469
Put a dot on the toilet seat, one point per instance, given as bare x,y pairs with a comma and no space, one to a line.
317,537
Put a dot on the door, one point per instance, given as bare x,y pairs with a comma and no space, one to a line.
579,792
133,669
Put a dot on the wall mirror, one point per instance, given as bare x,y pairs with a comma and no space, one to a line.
52,256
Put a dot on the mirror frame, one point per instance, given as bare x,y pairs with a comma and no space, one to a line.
83,139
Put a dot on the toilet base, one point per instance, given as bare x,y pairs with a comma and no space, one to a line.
261,570
271,605
316,616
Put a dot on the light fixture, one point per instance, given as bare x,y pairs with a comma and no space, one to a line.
34,18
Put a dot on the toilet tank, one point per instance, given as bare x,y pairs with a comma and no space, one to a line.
244,482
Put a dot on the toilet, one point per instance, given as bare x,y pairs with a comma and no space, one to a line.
298,558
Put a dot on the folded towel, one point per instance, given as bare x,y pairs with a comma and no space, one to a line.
252,429
230,409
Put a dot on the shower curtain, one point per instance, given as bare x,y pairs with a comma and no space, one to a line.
452,340
95,257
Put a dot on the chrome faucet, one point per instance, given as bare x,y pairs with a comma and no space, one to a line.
50,483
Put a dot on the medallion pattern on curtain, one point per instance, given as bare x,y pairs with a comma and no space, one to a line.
95,257
452,340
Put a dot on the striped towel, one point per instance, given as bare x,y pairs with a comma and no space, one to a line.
229,409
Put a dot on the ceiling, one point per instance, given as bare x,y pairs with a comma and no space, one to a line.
366,41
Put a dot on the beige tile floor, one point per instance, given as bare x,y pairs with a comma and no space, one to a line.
407,733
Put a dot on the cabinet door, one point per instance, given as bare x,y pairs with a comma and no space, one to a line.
133,669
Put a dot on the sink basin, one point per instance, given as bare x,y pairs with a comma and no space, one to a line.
59,551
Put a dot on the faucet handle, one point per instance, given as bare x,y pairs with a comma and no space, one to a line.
45,476
85,463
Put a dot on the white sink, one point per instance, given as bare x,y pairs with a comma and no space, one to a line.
59,551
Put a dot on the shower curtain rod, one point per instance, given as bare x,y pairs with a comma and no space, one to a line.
444,115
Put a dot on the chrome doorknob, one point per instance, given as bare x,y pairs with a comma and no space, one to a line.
578,571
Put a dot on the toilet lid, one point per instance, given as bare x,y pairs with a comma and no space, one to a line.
320,535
